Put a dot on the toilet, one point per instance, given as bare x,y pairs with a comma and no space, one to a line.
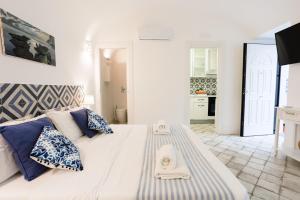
121,115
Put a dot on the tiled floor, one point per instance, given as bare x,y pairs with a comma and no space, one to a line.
250,159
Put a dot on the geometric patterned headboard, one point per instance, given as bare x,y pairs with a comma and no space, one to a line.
19,100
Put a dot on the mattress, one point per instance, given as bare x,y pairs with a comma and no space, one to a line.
113,170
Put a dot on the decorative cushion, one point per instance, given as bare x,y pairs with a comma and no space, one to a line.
54,150
96,122
81,119
8,166
65,124
21,139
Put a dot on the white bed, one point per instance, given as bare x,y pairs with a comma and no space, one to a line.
112,170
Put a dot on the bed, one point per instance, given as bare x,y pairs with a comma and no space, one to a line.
120,166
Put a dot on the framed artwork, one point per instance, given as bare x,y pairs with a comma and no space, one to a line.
21,39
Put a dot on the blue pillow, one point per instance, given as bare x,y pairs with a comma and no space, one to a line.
81,119
22,138
54,150
96,122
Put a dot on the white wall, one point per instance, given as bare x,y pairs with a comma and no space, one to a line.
161,83
74,64
293,97
161,71
284,83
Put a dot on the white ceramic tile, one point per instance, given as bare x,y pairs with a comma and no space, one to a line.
289,194
275,166
265,194
248,178
256,198
239,161
291,182
271,178
255,166
251,171
273,172
258,161
268,185
235,165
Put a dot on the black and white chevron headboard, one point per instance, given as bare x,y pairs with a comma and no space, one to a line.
19,100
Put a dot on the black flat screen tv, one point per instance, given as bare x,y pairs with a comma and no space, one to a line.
288,45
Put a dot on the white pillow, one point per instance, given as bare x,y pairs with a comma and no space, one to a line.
64,123
8,165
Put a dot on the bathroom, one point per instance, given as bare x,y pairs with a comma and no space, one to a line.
113,65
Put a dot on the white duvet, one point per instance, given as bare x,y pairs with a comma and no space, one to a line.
112,169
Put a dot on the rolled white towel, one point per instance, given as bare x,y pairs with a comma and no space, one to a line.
166,157
180,172
161,128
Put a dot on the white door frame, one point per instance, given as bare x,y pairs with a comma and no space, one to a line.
208,44
129,76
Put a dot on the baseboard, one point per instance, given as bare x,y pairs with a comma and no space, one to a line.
207,121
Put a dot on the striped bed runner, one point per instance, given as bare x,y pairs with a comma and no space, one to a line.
205,183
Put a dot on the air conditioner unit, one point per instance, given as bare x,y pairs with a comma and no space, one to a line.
155,33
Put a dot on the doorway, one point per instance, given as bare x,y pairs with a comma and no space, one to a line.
260,92
204,61
99,62
113,85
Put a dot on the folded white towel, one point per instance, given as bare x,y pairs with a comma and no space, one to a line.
180,172
166,157
161,128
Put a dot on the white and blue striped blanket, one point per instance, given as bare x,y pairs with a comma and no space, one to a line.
205,182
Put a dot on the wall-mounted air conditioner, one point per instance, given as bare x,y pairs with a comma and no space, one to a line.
155,33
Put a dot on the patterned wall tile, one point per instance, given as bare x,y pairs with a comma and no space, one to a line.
1,116
78,97
16,101
67,97
48,98
1,108
8,92
58,89
205,83
19,100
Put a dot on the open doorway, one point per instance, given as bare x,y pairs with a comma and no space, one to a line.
204,61
113,84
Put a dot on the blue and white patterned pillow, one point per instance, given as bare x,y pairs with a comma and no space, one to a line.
54,150
96,122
